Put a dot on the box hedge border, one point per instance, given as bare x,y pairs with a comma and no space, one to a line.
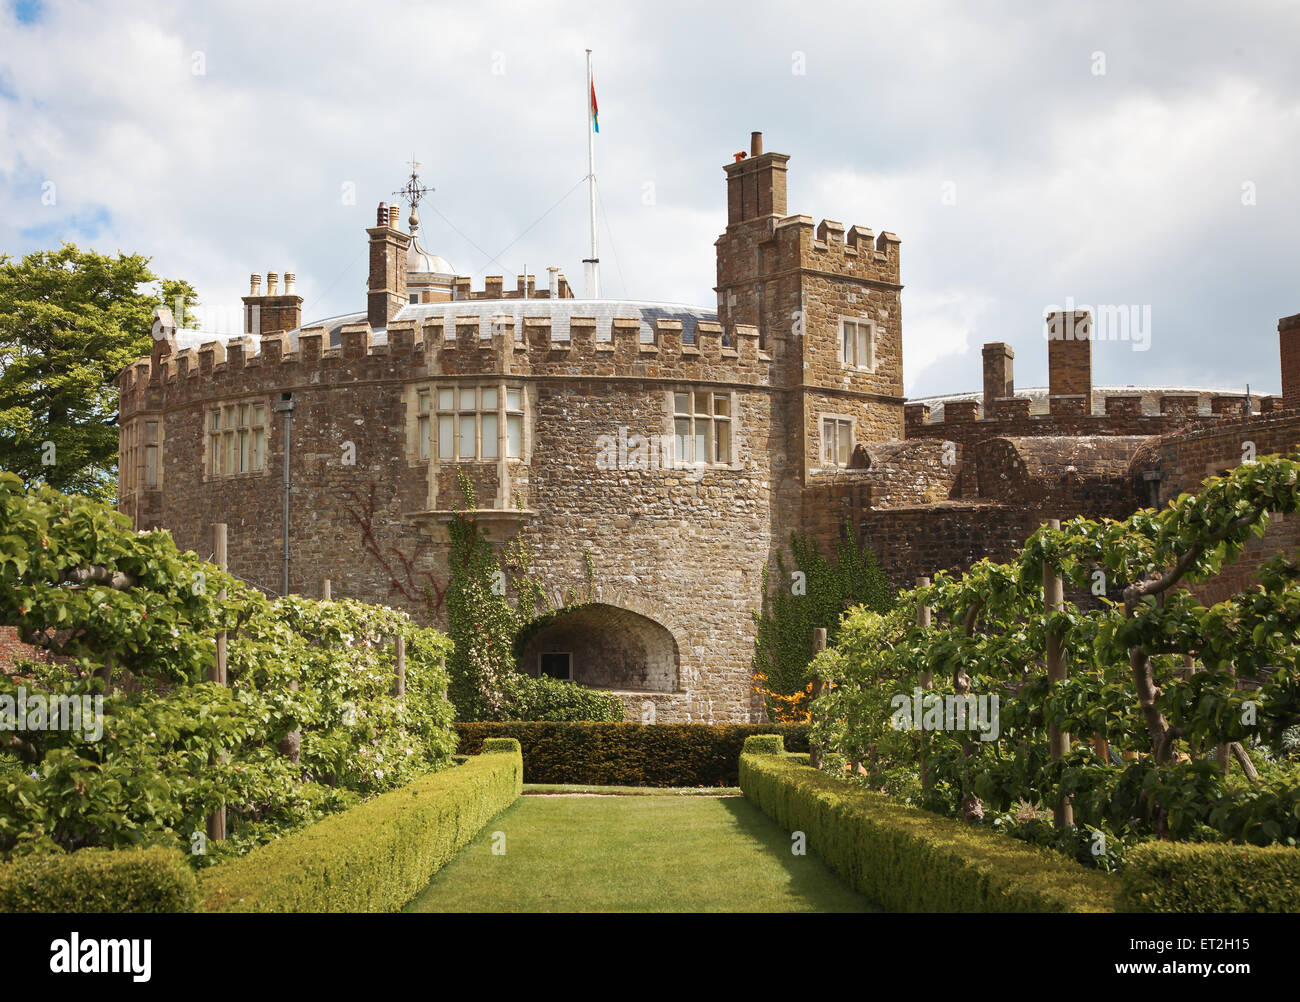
377,856
629,754
148,880
1211,877
908,860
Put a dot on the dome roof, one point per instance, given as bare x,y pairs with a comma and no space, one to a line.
419,260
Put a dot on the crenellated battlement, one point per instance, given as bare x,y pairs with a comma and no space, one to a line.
854,251
451,346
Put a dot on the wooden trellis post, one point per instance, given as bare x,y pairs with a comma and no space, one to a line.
1058,740
399,666
819,645
217,819
325,590
927,682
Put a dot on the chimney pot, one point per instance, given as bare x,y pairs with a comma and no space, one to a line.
381,216
290,280
272,283
394,212
756,144
254,285
555,281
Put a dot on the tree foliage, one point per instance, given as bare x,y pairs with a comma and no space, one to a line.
1159,684
308,724
70,321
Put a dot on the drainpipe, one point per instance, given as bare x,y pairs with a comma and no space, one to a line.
285,407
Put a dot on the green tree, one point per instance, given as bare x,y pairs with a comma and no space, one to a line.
70,321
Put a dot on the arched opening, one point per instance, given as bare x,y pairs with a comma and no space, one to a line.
604,647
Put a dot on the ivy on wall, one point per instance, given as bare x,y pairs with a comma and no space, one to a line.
486,630
815,593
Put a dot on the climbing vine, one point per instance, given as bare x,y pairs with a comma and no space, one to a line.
486,630
814,594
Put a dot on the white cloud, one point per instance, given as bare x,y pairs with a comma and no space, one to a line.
1122,188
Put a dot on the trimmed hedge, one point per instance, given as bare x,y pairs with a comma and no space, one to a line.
629,754
376,856
1211,877
908,860
100,880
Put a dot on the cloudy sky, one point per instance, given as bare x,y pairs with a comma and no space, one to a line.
1025,153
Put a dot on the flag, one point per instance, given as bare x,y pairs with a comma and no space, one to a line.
595,112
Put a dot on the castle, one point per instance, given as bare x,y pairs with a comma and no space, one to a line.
656,454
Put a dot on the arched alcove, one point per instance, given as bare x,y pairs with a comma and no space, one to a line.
607,648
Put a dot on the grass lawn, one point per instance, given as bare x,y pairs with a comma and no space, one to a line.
644,853
553,789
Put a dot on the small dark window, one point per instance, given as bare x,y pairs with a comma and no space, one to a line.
556,665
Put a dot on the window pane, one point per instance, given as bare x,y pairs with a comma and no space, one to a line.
701,403
828,442
244,412
259,415
467,450
515,436
846,443
216,420
489,398
259,450
424,402
244,446
445,437
722,405
722,441
682,439
681,403
846,343
423,434
467,399
864,345
489,435
445,398
514,400
232,454
701,442
151,465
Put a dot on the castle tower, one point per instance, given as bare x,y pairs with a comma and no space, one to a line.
826,302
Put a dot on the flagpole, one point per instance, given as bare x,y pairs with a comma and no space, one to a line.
592,263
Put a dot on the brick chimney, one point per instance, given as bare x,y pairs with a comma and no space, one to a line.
1069,362
1288,335
999,382
275,312
756,185
387,285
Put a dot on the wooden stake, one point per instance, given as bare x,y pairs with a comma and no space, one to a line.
325,590
819,644
1058,740
399,681
217,819
927,682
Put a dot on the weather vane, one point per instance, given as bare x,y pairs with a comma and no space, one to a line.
413,190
